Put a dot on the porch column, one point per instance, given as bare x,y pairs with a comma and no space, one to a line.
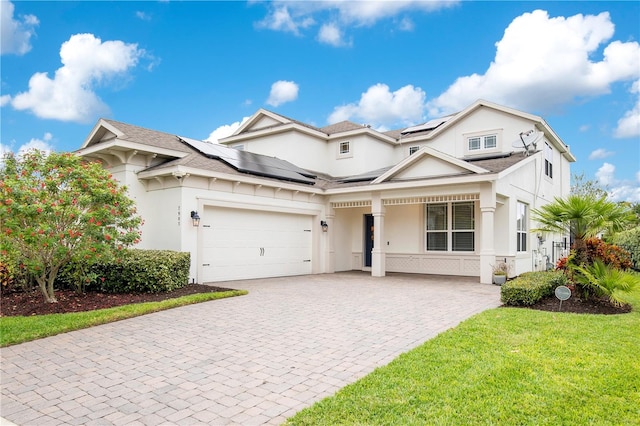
378,257
487,236
330,253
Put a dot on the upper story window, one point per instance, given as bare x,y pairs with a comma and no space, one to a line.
450,226
548,160
413,149
344,149
476,143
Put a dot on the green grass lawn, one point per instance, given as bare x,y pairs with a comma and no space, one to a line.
506,366
14,330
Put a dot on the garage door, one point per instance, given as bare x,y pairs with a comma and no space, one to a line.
244,244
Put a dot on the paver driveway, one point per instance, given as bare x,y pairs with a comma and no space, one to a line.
246,360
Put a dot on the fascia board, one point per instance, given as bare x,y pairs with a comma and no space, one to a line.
255,117
366,131
167,171
424,151
272,131
131,146
443,181
99,125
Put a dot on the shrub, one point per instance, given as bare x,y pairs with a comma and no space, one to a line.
609,254
6,278
530,287
144,271
603,280
630,241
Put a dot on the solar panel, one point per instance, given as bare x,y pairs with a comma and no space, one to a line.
429,125
251,163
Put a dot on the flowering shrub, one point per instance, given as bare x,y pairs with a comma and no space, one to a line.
611,255
57,208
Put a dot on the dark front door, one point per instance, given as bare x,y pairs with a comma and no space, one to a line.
368,239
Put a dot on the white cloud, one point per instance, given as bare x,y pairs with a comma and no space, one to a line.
42,144
282,92
16,33
600,153
5,100
332,34
297,16
70,96
379,106
225,130
533,71
618,190
605,174
143,16
629,124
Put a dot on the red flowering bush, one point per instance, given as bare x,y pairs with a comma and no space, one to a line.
610,255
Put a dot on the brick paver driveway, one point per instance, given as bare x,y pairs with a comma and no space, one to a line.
246,360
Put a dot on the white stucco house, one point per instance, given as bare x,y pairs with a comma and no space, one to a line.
279,197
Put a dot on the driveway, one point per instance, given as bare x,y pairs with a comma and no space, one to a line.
248,360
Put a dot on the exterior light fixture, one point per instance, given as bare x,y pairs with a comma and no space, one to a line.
195,219
324,225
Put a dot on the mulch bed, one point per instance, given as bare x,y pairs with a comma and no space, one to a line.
33,303
575,304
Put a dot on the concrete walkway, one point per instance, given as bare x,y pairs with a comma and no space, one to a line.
248,360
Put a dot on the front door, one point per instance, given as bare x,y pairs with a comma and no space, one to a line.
368,239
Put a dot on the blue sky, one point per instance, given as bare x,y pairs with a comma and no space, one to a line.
199,68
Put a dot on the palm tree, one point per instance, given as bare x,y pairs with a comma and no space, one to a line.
582,216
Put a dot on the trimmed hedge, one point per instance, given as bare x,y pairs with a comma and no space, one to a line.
144,271
528,288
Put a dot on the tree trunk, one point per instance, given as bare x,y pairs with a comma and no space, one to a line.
46,287
581,251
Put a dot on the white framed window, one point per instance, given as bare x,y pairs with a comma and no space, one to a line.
450,226
548,160
477,143
522,226
345,147
413,149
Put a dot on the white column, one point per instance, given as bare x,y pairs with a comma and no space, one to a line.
487,234
378,257
330,253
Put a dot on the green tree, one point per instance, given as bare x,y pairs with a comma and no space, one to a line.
582,216
580,185
57,208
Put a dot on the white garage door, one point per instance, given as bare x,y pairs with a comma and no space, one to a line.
244,244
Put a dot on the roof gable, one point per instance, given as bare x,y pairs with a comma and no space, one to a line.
429,163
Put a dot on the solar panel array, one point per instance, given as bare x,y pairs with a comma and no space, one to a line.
251,163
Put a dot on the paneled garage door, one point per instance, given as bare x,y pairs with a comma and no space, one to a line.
244,244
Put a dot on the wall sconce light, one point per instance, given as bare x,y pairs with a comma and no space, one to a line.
324,225
195,219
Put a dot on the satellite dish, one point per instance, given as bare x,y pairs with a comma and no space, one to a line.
528,141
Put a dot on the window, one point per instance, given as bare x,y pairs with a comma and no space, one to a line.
413,149
344,148
450,226
521,226
482,142
548,160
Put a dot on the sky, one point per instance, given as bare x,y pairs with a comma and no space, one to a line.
199,68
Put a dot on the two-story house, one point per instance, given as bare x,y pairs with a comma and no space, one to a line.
279,197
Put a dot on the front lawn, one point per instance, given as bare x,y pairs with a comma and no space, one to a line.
19,329
504,366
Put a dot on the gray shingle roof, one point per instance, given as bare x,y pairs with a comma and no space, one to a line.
149,137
